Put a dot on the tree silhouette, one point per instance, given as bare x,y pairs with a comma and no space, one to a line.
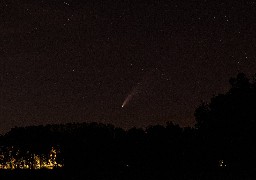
227,125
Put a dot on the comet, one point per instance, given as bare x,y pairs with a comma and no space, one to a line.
128,98
135,91
144,84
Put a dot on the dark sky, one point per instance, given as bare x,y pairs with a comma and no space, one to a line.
77,61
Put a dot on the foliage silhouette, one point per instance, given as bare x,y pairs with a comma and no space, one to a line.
222,144
227,125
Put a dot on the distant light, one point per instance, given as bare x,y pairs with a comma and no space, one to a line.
222,163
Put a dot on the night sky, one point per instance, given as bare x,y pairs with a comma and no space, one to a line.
79,61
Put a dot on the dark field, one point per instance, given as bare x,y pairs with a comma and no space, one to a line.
61,174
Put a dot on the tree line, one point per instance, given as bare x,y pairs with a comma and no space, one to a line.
223,139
